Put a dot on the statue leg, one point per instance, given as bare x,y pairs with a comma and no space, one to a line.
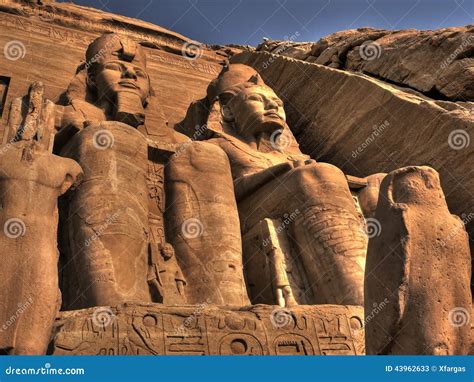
202,223
327,231
108,216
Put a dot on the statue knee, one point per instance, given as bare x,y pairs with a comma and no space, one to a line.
317,175
195,157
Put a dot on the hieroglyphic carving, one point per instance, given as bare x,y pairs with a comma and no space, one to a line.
208,330
67,36
184,336
60,34
236,334
176,61
82,22
156,194
334,335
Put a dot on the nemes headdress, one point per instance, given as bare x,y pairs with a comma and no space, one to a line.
112,46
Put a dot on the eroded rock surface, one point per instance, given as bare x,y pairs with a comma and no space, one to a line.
439,62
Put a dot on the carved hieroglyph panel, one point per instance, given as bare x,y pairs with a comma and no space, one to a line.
204,329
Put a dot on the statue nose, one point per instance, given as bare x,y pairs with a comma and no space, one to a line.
272,105
130,74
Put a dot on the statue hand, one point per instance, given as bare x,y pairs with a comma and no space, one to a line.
298,163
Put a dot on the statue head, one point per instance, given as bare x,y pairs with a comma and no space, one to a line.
167,251
116,69
252,109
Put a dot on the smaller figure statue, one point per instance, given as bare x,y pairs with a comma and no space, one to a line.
166,280
279,267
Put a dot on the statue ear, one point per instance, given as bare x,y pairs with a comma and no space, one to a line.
227,113
255,79
90,80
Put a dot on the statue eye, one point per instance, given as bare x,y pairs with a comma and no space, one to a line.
255,97
140,73
113,66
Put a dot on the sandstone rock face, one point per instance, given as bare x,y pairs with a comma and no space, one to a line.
209,330
418,264
438,63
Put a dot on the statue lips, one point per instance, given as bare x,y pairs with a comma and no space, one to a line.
272,114
129,84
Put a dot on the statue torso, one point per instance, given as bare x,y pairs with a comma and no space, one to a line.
245,160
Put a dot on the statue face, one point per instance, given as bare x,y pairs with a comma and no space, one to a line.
116,76
167,251
257,109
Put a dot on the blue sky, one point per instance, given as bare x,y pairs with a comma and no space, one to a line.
247,21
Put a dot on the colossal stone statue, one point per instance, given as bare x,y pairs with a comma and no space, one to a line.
202,219
273,179
418,270
106,220
31,180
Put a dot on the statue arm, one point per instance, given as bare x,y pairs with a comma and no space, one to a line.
68,122
247,184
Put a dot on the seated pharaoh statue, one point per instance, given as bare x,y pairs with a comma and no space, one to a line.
112,252
280,190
